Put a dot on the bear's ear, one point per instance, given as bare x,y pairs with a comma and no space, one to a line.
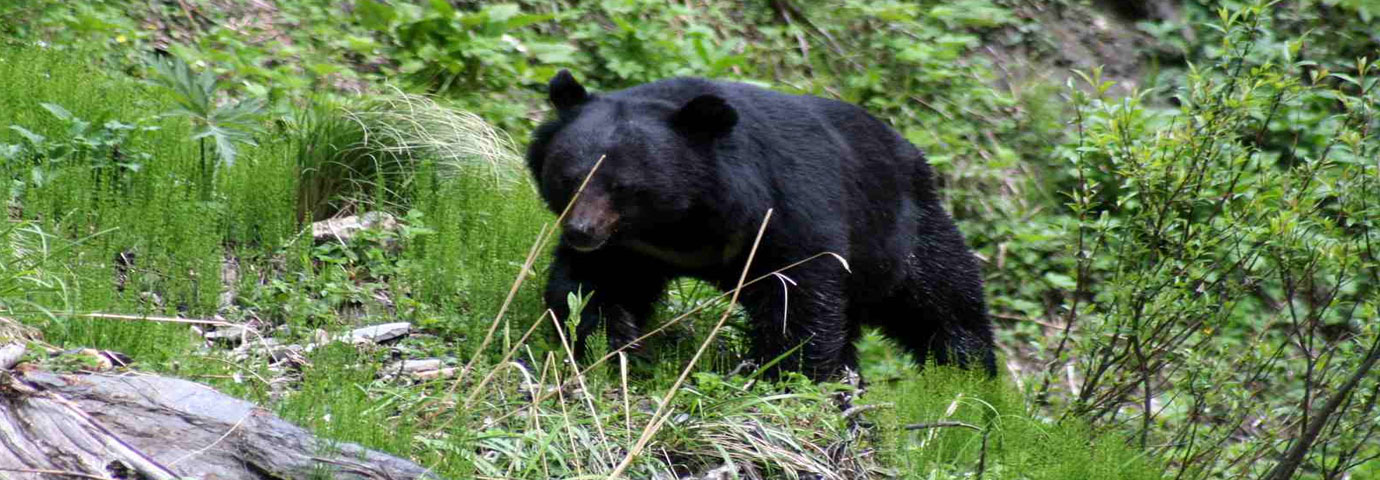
709,115
565,92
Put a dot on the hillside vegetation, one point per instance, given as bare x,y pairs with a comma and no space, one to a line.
1176,205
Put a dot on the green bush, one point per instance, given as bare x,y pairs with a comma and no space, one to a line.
1225,280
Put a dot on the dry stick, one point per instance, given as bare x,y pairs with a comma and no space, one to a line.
580,377
565,414
948,412
542,238
155,318
218,440
502,310
536,414
478,388
660,416
627,404
522,275
711,301
1292,459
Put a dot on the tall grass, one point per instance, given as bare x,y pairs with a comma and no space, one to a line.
950,424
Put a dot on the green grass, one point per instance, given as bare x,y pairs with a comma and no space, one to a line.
1017,445
451,281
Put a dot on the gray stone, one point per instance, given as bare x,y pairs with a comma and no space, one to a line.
379,333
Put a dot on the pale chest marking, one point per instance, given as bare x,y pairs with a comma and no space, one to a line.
706,256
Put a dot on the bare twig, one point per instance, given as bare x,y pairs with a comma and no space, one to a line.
156,318
1293,458
674,321
213,444
627,403
506,357
580,378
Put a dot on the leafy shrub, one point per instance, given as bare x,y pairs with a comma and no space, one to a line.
1225,287
103,148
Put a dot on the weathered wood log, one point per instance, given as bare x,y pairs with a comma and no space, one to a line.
158,428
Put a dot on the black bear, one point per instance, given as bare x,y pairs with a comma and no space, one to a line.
690,167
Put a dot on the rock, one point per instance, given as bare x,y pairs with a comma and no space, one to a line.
434,374
231,335
344,228
229,282
420,369
10,355
728,471
289,353
413,366
152,298
379,333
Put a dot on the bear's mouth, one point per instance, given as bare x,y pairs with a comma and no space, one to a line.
585,241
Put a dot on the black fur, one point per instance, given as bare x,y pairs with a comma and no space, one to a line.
692,166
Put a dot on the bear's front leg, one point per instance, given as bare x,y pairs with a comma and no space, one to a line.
621,296
803,313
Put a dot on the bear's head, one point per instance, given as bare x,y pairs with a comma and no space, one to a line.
657,146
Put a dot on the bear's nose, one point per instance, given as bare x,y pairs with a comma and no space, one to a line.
590,223
584,236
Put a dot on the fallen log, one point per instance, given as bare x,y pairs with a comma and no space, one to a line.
149,427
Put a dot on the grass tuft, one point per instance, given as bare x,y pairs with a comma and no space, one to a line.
412,126
368,152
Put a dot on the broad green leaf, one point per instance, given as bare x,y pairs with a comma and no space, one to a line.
500,13
58,111
32,137
374,15
553,53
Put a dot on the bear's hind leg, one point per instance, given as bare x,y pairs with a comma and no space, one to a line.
940,313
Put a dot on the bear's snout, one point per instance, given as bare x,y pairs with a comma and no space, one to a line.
590,223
